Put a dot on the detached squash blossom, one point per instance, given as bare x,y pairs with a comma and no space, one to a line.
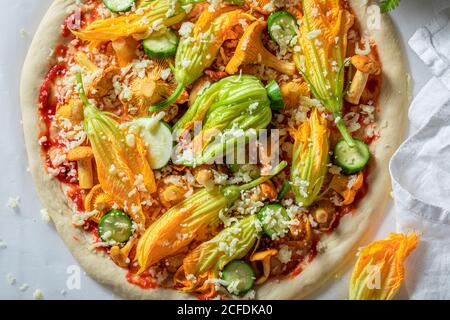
203,264
310,159
189,220
150,16
379,271
323,43
229,109
119,164
199,48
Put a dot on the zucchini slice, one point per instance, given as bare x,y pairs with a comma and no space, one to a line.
238,276
351,159
118,5
282,28
161,45
274,93
115,226
274,219
157,136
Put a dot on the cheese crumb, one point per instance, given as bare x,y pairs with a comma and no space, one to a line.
24,33
233,287
112,169
14,202
10,279
37,295
285,254
45,216
192,278
314,34
335,170
165,74
24,287
186,28
131,140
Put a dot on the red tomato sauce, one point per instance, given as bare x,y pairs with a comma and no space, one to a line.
64,169
79,19
47,105
301,266
77,197
60,51
144,280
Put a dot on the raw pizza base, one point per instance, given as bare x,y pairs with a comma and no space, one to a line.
340,246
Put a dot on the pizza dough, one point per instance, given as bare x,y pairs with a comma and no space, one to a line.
340,245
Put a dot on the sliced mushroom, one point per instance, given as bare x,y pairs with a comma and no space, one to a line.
103,84
83,60
365,66
151,90
83,156
120,256
324,214
173,190
125,49
72,111
268,190
205,177
301,231
347,186
172,195
99,200
264,257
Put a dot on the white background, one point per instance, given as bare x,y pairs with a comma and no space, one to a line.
35,255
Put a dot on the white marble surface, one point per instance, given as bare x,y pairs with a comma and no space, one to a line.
34,254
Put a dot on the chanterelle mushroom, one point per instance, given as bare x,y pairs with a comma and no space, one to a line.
120,255
365,67
151,90
83,156
104,84
98,200
251,50
125,49
292,91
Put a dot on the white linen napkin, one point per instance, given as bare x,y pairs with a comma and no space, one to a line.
420,168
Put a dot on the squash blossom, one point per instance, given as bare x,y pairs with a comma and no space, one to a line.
207,260
119,165
199,48
379,270
150,16
310,159
323,43
232,107
189,220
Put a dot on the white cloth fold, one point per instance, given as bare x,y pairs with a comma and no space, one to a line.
420,168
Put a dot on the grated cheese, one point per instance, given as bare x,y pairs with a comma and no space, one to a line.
14,202
37,295
45,216
10,279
